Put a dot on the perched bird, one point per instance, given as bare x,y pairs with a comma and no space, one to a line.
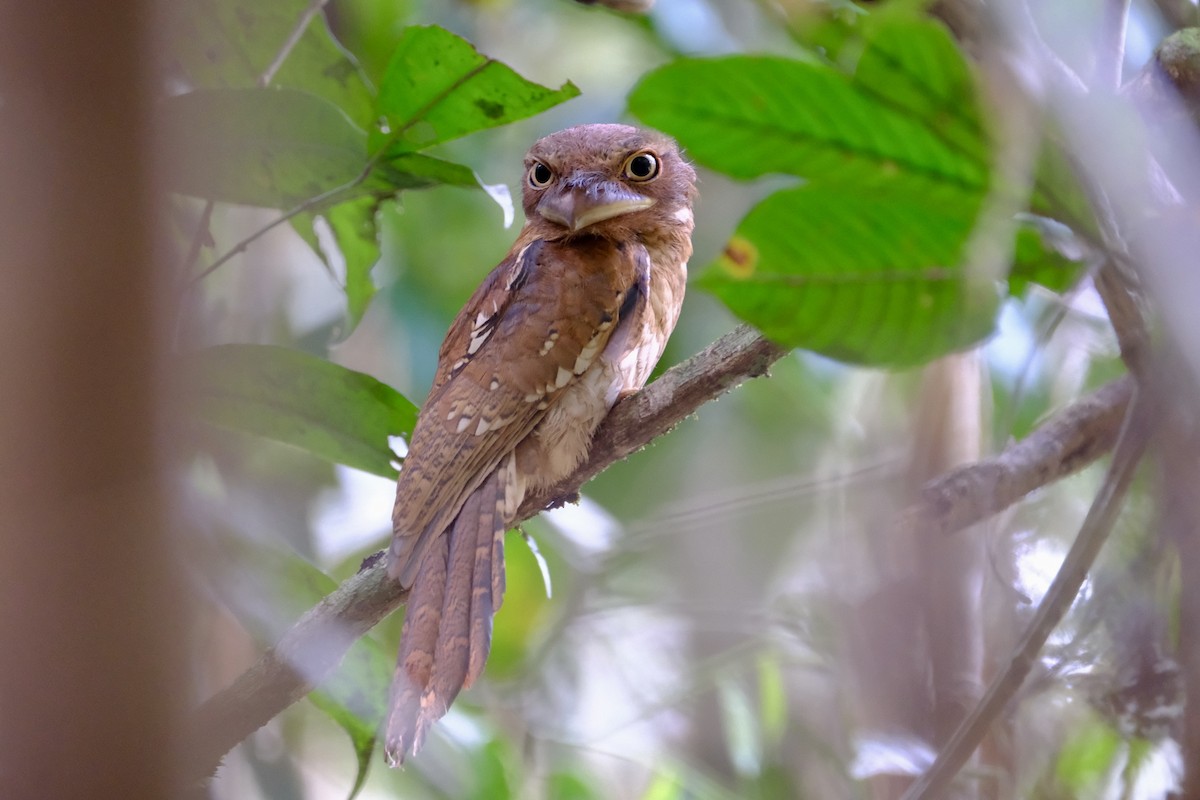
574,317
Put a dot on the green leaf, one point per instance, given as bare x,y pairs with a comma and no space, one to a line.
231,43
1039,257
262,147
292,397
1057,193
361,733
490,772
353,232
870,276
914,66
1086,758
416,171
439,87
772,699
353,227
753,115
569,786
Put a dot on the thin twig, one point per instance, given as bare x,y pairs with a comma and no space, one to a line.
1127,455
202,234
311,204
306,17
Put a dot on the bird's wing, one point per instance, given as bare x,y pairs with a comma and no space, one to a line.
537,323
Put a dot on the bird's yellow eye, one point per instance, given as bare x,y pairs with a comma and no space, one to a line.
642,166
540,175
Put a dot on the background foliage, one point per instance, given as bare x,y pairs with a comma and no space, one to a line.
335,208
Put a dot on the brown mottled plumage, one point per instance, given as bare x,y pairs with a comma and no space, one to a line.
576,315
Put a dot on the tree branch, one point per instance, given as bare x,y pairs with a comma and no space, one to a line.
309,652
1130,446
312,649
1065,443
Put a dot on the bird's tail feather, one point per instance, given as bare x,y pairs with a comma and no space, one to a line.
448,626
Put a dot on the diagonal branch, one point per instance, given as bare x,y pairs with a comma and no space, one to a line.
1063,444
309,652
312,649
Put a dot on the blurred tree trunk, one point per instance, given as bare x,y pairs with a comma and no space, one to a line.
1179,463
86,618
916,640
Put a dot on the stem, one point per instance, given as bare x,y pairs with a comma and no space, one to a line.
306,17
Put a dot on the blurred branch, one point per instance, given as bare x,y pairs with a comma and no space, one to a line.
312,649
1179,473
1125,316
1110,51
305,656
1065,443
1100,518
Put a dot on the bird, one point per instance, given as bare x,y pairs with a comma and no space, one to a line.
574,318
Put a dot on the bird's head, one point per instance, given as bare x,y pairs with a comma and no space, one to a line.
607,180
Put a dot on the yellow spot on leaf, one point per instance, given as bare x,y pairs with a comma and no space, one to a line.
739,258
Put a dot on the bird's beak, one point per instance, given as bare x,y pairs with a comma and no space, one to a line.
585,200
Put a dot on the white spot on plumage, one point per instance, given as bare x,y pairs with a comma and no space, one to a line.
684,215
463,424
588,354
477,340
563,376
549,343
494,385
482,427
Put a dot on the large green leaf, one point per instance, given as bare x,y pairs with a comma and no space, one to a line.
869,275
231,43
753,115
868,262
263,147
439,87
914,66
290,396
